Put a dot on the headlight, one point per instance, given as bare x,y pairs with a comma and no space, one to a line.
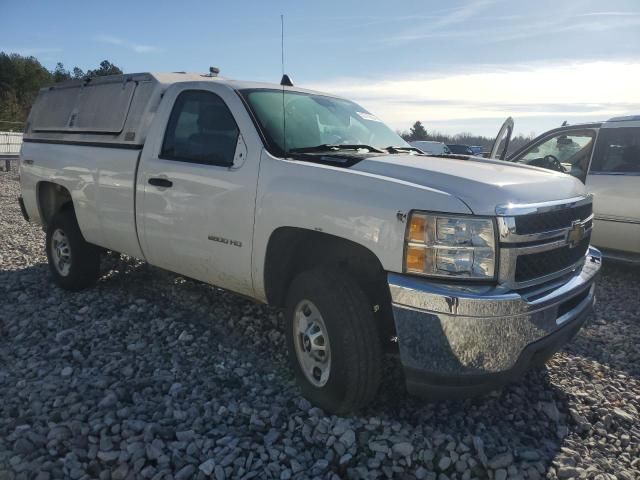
448,246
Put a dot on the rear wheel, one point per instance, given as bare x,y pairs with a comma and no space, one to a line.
334,346
73,262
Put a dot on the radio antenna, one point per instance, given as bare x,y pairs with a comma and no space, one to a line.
282,83
282,42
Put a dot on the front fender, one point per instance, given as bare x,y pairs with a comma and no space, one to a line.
357,206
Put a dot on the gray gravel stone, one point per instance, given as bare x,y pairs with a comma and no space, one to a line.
185,472
500,474
207,466
348,438
219,473
185,436
121,472
403,449
568,472
444,463
23,446
551,410
623,415
108,457
502,460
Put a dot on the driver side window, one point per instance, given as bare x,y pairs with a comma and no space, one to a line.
618,151
565,151
201,129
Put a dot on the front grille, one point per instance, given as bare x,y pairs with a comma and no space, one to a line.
553,220
535,265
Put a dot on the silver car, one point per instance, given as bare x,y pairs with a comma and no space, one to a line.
605,156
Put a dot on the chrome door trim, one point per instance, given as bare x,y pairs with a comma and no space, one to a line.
604,218
616,174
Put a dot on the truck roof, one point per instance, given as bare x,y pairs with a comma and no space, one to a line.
169,78
177,77
115,110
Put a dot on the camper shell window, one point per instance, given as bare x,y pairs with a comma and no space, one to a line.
99,107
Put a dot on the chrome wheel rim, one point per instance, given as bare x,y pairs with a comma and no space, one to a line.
61,252
311,341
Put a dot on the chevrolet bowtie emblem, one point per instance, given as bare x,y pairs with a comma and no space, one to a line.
576,233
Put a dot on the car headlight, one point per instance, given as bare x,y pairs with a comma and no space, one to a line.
450,246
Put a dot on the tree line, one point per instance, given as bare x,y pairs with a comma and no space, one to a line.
22,77
419,132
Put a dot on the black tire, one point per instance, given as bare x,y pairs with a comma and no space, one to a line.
84,258
355,347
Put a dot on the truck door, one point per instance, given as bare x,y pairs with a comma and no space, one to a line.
196,186
614,180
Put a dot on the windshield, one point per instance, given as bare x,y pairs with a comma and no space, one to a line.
314,120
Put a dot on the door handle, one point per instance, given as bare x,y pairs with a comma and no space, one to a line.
160,182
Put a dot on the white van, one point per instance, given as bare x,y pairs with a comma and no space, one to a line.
431,148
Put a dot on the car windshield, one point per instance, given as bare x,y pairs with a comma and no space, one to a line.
317,121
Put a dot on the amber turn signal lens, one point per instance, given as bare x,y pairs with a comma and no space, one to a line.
416,257
417,228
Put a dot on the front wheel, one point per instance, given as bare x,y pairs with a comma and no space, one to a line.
73,262
334,346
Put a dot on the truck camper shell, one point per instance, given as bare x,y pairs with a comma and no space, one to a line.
114,110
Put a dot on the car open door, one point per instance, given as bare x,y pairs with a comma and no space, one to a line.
566,149
501,143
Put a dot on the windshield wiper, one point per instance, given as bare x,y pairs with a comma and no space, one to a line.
327,147
402,149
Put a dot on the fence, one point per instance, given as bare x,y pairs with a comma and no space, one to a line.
10,144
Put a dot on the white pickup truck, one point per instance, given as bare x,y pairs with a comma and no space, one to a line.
471,270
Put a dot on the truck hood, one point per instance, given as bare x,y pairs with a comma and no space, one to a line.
481,183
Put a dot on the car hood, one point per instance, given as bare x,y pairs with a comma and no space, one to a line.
482,184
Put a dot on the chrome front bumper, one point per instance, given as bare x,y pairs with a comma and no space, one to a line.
455,339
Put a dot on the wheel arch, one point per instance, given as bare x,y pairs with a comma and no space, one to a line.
51,198
292,250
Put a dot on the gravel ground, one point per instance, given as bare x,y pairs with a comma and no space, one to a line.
151,375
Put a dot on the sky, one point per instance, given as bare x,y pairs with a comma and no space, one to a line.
457,66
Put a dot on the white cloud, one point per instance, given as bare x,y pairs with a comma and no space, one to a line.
138,48
443,24
515,27
590,90
610,14
463,13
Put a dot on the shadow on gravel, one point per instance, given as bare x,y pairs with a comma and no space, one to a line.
525,416
612,335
